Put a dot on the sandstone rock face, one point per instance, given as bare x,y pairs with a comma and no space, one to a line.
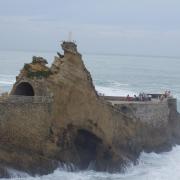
57,116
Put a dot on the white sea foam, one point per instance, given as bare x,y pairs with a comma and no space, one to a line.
17,174
109,91
164,166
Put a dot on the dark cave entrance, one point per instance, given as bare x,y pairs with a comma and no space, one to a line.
24,89
86,144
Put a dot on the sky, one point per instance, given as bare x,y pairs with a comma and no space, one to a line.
142,27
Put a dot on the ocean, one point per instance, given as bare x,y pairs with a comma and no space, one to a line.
117,75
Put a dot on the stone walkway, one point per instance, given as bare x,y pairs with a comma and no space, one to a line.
153,101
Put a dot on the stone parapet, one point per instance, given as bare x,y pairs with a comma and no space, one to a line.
25,99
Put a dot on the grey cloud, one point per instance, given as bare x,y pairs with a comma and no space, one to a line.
141,26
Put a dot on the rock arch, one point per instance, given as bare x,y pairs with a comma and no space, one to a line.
24,89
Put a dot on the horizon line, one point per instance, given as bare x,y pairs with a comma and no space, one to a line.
99,53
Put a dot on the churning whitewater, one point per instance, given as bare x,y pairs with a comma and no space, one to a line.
163,166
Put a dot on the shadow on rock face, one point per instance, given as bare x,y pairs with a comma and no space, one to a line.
3,172
86,144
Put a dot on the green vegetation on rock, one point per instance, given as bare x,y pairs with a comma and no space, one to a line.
38,73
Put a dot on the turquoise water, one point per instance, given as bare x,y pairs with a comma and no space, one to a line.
113,75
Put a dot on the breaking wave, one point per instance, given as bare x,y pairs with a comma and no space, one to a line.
109,91
154,166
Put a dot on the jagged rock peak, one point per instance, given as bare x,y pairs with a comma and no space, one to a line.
69,46
39,60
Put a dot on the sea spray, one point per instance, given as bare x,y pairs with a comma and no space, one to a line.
151,166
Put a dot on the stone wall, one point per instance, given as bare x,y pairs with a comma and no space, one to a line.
25,125
158,121
78,126
25,99
152,113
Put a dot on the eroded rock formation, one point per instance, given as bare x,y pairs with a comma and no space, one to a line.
65,121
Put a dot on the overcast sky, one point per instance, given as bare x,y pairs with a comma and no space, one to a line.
150,27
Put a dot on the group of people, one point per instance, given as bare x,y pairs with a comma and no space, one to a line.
141,97
144,97
166,94
148,97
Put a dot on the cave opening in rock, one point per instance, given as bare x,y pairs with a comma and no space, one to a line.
87,145
24,89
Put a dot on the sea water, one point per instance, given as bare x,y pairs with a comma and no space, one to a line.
113,75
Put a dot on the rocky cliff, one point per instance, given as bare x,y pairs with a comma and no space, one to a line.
54,115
